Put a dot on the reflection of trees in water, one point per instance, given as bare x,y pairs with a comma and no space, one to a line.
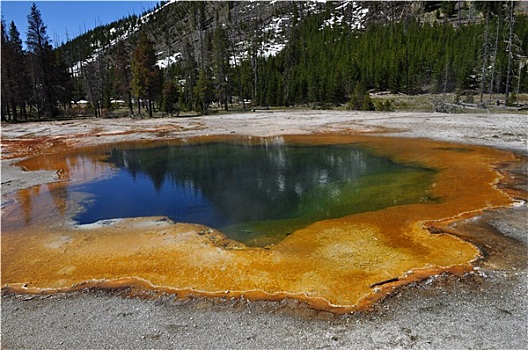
35,201
25,197
248,182
59,194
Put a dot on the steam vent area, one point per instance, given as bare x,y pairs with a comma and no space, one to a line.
337,219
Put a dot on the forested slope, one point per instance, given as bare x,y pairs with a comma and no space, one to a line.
191,56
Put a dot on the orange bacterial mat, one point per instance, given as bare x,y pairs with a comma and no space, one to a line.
340,265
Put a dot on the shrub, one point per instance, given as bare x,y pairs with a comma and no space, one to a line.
360,99
385,106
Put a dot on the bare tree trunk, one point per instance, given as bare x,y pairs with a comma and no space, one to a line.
130,106
239,75
445,76
485,57
14,108
494,59
88,81
255,62
5,109
37,97
129,93
24,112
519,78
508,73
458,12
150,102
445,49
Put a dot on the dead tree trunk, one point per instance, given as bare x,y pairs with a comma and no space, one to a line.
510,54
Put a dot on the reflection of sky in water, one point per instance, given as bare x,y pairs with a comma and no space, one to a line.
125,196
222,184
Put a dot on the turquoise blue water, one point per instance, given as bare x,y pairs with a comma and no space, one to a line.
255,193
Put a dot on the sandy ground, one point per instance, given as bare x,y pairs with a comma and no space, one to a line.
487,309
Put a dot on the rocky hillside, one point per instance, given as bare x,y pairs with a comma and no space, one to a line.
172,24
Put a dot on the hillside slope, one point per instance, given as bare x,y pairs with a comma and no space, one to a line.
171,24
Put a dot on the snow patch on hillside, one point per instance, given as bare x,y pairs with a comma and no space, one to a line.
357,15
168,61
273,32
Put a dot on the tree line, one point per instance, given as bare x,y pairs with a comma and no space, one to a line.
33,81
331,65
321,65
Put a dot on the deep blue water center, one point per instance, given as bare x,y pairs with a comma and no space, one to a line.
255,193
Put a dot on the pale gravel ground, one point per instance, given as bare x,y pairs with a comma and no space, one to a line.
484,310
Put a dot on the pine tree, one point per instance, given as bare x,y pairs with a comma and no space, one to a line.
202,92
61,80
15,65
146,76
191,76
21,82
6,61
360,99
122,73
170,97
42,59
220,55
91,76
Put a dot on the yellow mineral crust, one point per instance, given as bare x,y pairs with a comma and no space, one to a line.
338,265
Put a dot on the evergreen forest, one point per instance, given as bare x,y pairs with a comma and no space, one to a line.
205,57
